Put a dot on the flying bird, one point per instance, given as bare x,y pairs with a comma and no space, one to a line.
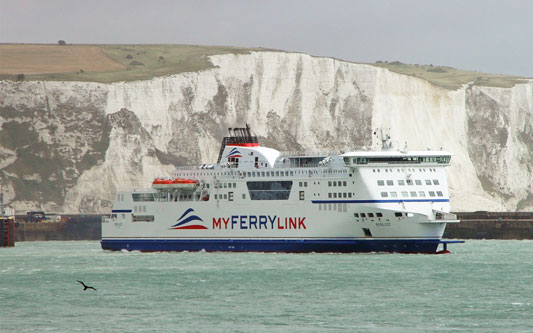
85,287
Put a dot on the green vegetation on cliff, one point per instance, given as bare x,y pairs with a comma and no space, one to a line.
135,62
450,78
115,63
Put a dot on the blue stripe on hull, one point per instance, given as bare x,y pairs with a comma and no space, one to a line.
296,246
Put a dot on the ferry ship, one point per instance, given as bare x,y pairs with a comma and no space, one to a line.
259,199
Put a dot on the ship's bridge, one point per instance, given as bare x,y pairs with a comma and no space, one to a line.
244,157
397,157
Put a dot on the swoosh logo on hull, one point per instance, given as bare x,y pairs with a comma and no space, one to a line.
185,218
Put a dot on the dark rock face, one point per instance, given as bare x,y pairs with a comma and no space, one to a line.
51,142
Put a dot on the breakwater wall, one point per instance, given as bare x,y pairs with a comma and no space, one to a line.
73,227
475,225
7,234
492,225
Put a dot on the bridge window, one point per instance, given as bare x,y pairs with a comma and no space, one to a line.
269,190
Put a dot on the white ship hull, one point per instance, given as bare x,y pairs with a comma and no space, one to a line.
356,202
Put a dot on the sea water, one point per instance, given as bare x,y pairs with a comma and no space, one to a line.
481,286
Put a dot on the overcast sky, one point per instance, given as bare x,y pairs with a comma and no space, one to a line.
483,35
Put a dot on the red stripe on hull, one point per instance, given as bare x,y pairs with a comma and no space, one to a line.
191,227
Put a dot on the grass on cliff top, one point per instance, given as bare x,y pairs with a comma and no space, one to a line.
139,62
114,63
451,78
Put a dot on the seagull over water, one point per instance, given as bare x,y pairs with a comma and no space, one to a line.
85,287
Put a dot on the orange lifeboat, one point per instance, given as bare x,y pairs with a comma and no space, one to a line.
161,183
178,183
185,184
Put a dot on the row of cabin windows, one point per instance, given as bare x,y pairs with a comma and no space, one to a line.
340,195
339,207
405,170
402,182
139,209
224,185
367,215
226,196
412,194
397,214
397,159
337,183
262,173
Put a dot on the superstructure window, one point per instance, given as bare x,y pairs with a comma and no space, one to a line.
418,182
269,190
143,196
404,194
390,182
421,193
431,193
435,182
428,182
143,218
394,195
381,183
401,182
384,194
439,193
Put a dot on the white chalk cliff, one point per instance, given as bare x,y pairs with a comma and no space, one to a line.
69,146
